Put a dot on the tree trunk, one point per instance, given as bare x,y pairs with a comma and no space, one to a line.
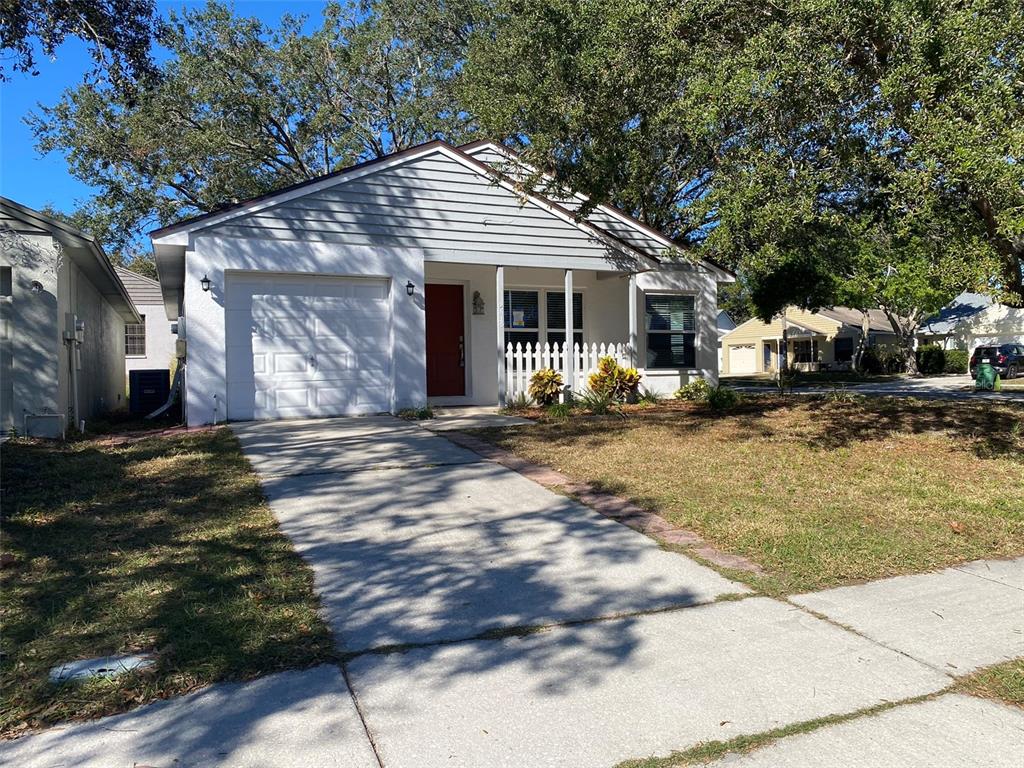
905,329
862,343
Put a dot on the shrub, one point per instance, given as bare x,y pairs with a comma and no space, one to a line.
695,390
545,386
521,402
931,358
869,361
613,380
597,402
560,410
956,361
722,398
417,414
648,397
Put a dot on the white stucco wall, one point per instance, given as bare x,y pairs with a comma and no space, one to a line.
214,256
35,375
32,348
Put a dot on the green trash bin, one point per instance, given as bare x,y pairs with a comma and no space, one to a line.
986,378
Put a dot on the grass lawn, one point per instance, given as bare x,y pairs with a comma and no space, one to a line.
162,546
1004,682
819,493
810,378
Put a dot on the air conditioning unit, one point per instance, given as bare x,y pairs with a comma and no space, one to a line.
48,425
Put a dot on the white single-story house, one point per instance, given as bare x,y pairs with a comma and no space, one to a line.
972,320
63,312
148,344
825,339
408,279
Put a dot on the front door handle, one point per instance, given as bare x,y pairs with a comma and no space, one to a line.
462,352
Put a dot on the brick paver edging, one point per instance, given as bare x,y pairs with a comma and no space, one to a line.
607,504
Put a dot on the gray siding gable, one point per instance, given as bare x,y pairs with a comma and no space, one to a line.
431,202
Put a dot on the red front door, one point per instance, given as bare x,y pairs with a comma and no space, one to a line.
446,341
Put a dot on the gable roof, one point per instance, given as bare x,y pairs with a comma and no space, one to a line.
83,249
166,234
877,321
144,291
964,306
607,216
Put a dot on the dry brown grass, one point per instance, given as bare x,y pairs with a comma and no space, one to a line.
819,493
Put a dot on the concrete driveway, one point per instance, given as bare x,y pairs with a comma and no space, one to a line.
414,540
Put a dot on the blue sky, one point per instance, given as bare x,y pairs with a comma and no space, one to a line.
36,181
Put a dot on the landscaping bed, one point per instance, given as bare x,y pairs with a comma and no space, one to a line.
161,546
816,490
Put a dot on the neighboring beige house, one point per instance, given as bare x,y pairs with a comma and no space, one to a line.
972,320
149,344
62,317
822,340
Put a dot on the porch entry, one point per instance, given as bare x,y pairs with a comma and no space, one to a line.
446,340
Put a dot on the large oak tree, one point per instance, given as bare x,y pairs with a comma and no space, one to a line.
866,152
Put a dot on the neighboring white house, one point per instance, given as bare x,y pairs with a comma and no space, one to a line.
62,316
971,320
149,344
403,280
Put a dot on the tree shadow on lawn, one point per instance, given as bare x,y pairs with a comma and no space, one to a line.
161,547
989,430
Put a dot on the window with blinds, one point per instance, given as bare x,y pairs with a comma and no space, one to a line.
522,317
671,330
556,317
135,338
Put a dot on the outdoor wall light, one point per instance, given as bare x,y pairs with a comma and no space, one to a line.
205,282
410,288
36,287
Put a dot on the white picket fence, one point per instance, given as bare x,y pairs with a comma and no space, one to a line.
523,360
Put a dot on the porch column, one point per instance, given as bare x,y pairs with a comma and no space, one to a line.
633,357
570,358
499,306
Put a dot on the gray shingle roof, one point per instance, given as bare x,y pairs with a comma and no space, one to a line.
142,290
962,307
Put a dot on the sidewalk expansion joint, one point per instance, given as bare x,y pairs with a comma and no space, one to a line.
375,468
986,578
873,641
524,630
362,715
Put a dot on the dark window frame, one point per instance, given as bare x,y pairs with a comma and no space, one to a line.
687,343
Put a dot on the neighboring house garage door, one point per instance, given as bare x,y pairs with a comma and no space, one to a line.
306,346
742,359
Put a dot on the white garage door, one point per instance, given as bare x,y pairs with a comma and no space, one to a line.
306,346
742,359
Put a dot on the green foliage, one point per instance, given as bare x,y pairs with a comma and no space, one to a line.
956,361
723,398
421,413
931,359
546,386
695,390
240,109
882,360
597,402
865,154
519,403
611,379
560,411
841,395
648,397
118,33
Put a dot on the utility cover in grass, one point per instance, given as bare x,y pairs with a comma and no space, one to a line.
104,667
